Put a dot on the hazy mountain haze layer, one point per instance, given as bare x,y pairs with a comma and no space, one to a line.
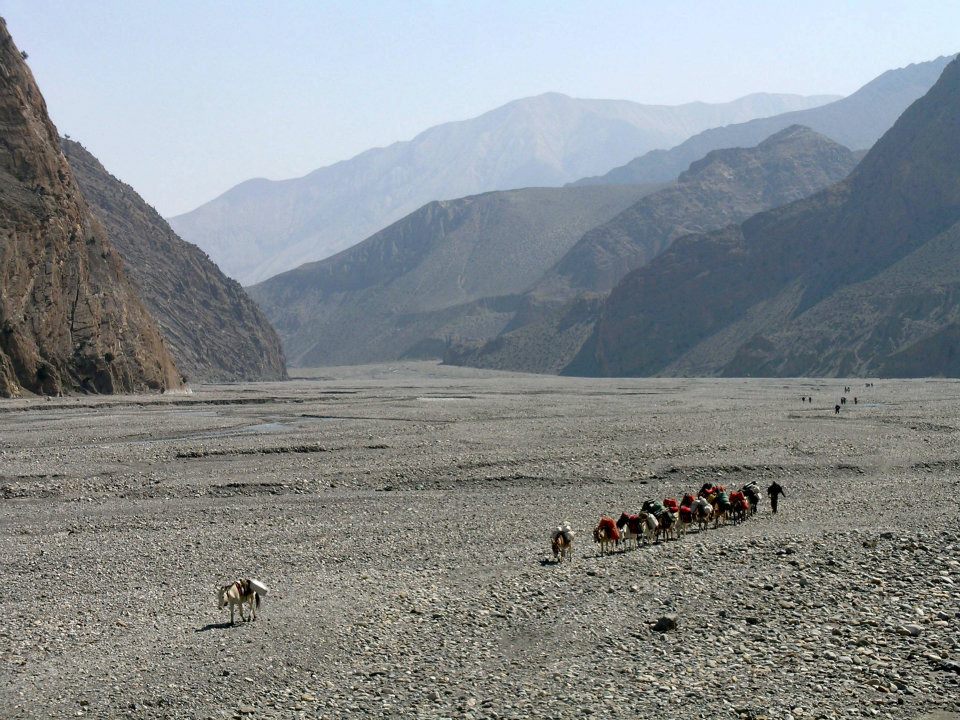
262,227
725,187
856,122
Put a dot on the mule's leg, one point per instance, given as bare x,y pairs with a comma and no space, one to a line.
253,606
232,621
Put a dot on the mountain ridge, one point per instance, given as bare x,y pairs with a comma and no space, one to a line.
855,121
395,291
262,227
726,186
822,286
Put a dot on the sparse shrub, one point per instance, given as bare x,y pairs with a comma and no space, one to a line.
23,54
108,357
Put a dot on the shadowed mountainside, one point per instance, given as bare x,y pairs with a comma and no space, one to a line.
213,329
69,318
856,121
860,279
262,227
453,268
725,187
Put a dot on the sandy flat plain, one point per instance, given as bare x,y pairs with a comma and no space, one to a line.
401,514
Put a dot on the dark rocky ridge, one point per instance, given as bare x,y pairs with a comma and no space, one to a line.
860,279
856,121
450,269
724,187
213,329
69,318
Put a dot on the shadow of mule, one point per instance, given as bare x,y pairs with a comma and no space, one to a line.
215,626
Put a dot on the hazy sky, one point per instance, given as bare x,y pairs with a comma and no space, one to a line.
183,99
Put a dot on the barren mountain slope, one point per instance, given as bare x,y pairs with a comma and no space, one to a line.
214,330
857,279
69,318
453,268
724,187
727,186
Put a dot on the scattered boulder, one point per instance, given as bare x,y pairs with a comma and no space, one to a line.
665,624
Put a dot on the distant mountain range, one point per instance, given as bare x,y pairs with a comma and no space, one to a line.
451,269
856,121
727,186
213,329
261,227
70,320
860,279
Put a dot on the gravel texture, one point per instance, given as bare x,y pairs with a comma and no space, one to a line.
401,515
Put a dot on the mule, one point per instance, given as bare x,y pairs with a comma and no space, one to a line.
606,533
561,543
721,508
630,528
702,513
684,519
648,521
667,523
752,491
739,507
236,594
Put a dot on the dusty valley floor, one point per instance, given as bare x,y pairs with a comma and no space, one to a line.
401,515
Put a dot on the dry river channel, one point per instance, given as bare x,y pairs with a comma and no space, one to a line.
401,514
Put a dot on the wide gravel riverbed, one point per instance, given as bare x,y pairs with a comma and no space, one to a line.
401,516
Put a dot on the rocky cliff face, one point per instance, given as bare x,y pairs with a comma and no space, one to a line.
69,318
213,329
863,278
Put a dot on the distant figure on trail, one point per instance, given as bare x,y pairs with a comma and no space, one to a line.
775,491
803,398
836,409
810,400
843,401
854,399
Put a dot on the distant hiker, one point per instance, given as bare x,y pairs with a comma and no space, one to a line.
810,400
843,401
854,399
775,491
803,398
836,409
